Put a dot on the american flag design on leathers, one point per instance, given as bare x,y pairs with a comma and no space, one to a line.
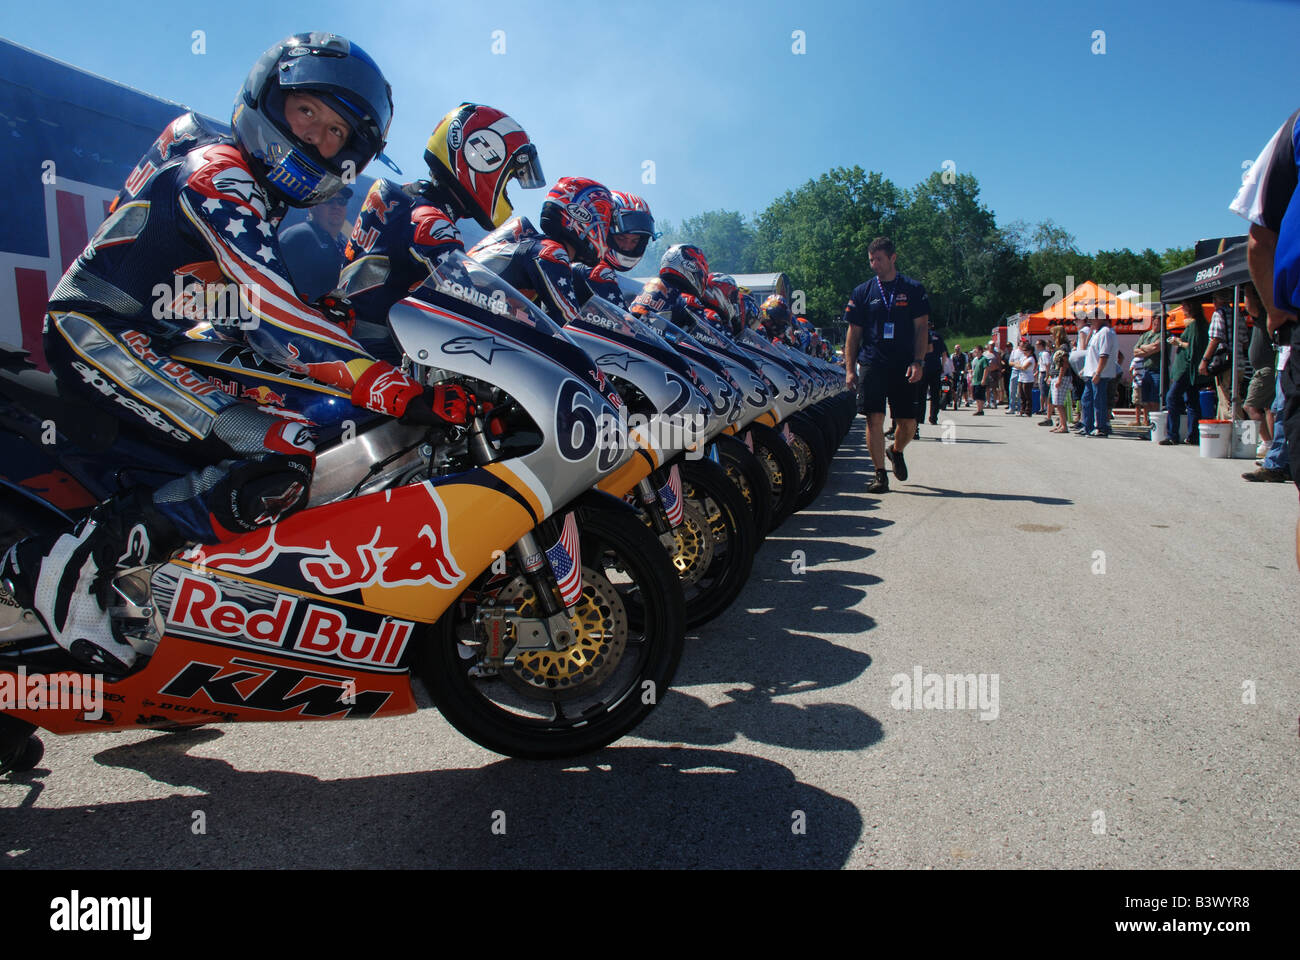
670,495
566,562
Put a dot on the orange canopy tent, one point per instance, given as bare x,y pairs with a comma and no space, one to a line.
1176,318
1089,298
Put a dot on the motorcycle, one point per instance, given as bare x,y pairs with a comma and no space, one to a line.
710,534
543,617
751,419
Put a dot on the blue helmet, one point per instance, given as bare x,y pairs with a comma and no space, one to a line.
342,76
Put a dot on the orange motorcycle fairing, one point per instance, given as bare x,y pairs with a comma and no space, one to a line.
190,682
315,617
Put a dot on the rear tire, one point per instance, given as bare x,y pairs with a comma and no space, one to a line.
633,605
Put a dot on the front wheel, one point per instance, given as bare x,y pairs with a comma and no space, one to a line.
749,477
782,471
715,543
618,663
809,448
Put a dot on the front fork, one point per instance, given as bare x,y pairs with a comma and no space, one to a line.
663,504
557,596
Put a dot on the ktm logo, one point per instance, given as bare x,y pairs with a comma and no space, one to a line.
276,689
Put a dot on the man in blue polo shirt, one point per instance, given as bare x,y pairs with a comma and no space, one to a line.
889,325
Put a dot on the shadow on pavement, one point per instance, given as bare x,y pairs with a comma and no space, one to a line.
772,641
620,807
914,489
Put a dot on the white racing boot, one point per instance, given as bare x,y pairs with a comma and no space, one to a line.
64,579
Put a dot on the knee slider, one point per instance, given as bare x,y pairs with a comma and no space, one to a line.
259,492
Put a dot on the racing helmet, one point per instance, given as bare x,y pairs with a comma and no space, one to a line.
632,217
776,311
577,211
750,316
684,268
724,296
346,80
475,151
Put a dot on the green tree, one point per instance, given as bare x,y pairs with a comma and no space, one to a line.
950,241
1175,257
819,233
725,236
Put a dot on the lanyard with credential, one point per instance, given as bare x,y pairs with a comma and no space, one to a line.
889,306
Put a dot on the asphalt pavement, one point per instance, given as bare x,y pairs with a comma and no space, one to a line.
1118,620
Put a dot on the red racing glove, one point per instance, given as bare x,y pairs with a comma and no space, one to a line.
338,310
443,403
385,389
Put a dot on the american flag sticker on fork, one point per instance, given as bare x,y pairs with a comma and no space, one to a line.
670,495
566,561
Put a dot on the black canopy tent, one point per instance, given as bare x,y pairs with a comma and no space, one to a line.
1220,264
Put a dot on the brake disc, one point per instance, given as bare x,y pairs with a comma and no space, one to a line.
737,476
599,640
802,454
693,542
775,477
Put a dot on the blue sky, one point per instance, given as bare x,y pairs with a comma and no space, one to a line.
1140,146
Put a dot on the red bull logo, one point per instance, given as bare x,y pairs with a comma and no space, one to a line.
264,396
200,291
178,131
200,609
401,542
375,204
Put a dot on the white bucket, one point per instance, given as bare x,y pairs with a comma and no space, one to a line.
1159,426
1245,438
1216,437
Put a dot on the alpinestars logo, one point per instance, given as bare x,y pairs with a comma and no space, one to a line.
151,416
485,348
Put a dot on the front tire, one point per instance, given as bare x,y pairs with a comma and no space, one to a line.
553,704
750,479
714,503
782,470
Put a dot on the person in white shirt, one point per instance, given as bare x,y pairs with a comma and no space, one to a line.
1013,393
1085,331
1044,381
1026,373
1099,368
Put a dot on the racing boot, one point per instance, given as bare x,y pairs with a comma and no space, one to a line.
65,577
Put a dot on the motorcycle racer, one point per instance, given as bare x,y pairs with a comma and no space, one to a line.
776,318
632,227
314,110
683,270
575,225
405,230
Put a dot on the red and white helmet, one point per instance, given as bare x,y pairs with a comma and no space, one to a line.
578,212
475,151
723,295
684,267
632,218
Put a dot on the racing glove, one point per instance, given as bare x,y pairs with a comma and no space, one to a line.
440,404
338,310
